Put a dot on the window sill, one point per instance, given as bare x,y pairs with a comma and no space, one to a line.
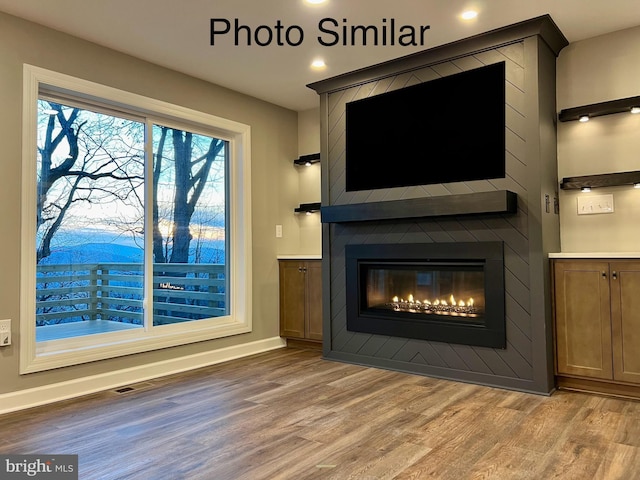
73,351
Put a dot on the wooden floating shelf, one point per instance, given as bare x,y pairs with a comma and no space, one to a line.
482,203
308,208
307,159
602,180
598,109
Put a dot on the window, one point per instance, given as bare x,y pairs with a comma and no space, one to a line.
140,238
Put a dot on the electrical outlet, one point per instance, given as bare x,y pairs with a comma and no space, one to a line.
5,333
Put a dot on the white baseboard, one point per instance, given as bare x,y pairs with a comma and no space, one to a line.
32,397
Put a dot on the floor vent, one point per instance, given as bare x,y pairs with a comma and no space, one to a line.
125,389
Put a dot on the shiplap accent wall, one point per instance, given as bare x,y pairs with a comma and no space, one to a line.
512,55
526,363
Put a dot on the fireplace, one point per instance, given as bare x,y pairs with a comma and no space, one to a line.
415,220
446,292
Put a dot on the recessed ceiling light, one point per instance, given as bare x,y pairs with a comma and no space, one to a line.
469,14
315,2
318,64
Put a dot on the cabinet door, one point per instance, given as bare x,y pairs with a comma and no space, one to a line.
292,298
314,300
625,317
583,319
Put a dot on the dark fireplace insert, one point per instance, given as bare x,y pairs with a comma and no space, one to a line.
445,292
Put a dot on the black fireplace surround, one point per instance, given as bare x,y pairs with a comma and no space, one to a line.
445,292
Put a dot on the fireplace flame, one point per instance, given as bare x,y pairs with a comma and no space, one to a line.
439,305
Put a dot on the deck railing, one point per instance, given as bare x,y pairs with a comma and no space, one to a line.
114,291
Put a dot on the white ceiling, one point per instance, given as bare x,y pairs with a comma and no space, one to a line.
176,33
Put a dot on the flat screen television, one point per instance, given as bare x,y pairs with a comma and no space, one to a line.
451,129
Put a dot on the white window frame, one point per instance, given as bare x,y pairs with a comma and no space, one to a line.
39,356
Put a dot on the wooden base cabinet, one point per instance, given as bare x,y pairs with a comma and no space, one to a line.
625,320
301,299
597,320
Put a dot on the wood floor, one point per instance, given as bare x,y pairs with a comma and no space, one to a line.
288,414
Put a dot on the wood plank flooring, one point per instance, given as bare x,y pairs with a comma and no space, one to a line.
288,414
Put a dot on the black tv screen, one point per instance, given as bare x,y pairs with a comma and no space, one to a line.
451,129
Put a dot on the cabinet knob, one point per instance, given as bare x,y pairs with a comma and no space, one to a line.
614,274
604,274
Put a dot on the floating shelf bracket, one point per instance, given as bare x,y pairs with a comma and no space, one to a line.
602,180
598,109
308,208
307,159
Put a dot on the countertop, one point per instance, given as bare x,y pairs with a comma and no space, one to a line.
595,255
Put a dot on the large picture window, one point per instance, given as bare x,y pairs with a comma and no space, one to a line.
135,224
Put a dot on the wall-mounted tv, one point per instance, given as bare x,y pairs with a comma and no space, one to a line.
451,129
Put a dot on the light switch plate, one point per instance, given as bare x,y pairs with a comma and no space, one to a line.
5,333
594,204
278,231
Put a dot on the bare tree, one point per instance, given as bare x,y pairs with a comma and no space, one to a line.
92,171
104,164
191,170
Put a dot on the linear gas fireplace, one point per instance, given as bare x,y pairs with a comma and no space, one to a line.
446,292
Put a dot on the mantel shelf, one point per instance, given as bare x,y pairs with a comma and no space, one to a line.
602,180
481,203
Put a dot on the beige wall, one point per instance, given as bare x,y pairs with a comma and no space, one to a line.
591,71
301,234
274,133
309,178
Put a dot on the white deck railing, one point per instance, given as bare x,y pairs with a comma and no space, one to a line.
114,291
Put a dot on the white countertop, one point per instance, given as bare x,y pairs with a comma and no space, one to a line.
595,255
299,257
